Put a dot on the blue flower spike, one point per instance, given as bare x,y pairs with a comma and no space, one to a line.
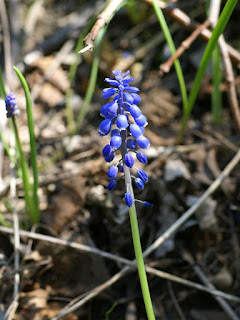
11,105
125,121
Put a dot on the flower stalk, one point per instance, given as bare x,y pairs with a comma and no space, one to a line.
130,122
12,113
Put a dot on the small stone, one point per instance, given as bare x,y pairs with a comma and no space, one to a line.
176,169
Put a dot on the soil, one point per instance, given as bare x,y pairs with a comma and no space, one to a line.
74,202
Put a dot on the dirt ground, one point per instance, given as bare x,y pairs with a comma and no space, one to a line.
75,204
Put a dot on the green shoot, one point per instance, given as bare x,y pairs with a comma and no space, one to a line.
222,22
110,311
71,75
216,96
33,149
171,45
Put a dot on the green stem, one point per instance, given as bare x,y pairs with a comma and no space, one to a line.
140,263
2,87
135,232
216,97
222,22
33,149
71,75
171,45
4,142
25,175
93,79
7,148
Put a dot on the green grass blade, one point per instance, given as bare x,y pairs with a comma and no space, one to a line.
33,152
4,142
71,75
216,97
3,222
171,45
93,79
107,314
140,263
222,22
7,148
2,87
25,176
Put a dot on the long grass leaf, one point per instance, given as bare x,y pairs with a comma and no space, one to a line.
171,45
216,97
221,24
33,149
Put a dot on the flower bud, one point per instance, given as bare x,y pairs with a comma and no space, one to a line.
141,121
131,89
143,142
147,204
108,92
121,167
116,142
129,161
135,130
141,157
131,144
128,199
136,98
135,111
115,132
107,150
139,183
128,97
112,184
111,110
122,121
112,82
110,157
142,175
112,172
105,127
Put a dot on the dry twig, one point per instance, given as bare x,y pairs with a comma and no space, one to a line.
185,20
216,183
231,92
199,272
166,66
155,245
7,42
61,36
130,264
101,22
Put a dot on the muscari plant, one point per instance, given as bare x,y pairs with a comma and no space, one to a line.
30,189
125,122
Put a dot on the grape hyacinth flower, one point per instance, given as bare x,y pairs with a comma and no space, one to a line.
128,133
11,105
